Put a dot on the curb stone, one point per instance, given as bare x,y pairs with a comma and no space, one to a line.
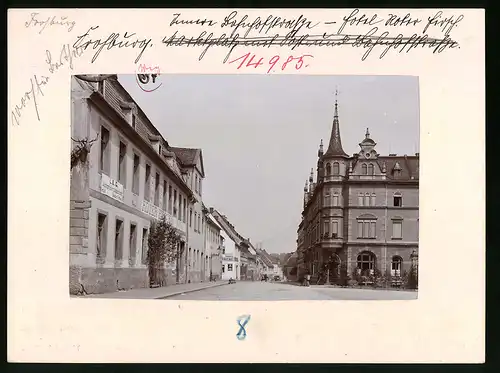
190,291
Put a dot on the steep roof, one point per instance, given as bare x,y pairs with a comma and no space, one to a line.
335,145
229,229
188,157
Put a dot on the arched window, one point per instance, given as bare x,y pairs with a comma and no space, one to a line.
364,169
328,169
396,265
373,199
336,168
367,226
366,262
360,199
367,199
370,169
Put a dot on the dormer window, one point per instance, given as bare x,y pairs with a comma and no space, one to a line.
371,169
364,169
398,199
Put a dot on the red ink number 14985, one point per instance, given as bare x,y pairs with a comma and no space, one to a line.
251,60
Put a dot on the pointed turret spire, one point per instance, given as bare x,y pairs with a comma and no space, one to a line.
320,151
335,145
367,134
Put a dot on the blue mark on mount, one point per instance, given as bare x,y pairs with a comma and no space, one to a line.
242,322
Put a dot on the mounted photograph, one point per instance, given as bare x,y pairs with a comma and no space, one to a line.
244,187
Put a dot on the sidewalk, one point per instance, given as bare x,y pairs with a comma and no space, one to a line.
156,293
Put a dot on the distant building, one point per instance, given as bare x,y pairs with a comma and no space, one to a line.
361,211
231,253
214,245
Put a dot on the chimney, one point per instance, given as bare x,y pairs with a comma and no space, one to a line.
392,155
417,154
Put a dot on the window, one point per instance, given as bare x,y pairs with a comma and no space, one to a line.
147,183
144,245
170,199
367,199
336,168
398,200
223,268
200,186
132,244
367,227
328,169
360,199
104,154
373,199
396,265
327,198
133,121
196,183
159,149
175,203
157,189
122,164
184,214
366,262
101,236
199,223
335,231
135,179
327,228
364,169
397,229
335,199
165,189
229,267
180,207
119,240
190,217
370,169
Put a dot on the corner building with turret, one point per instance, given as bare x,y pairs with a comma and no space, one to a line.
360,212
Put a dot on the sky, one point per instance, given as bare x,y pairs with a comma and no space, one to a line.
260,134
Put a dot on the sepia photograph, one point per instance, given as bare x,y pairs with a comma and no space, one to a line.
244,187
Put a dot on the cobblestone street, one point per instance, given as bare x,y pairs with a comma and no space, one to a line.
265,291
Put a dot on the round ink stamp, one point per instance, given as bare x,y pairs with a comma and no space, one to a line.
148,77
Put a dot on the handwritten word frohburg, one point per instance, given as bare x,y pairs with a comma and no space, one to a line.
41,22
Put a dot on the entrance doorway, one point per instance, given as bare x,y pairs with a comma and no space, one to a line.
333,267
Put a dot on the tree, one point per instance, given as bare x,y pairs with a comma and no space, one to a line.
163,247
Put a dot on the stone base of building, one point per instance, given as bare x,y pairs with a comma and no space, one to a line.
106,280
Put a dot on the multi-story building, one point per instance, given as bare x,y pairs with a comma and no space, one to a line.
361,210
235,246
129,177
214,245
197,260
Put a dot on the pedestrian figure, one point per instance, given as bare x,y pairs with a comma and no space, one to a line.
308,279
